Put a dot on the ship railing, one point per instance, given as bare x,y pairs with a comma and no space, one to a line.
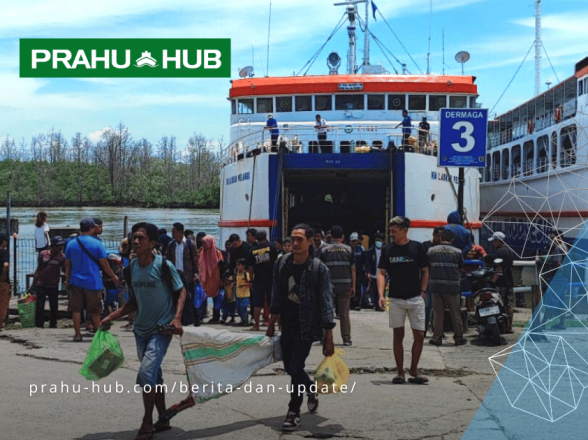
303,139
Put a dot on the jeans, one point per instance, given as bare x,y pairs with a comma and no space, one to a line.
151,351
294,353
243,308
428,308
374,293
42,293
229,310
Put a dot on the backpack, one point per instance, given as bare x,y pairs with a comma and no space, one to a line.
282,259
187,314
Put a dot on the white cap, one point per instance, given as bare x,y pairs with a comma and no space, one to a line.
270,116
497,236
353,236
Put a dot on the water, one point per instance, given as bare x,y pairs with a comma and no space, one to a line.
113,218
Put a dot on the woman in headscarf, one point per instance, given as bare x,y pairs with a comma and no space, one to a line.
209,272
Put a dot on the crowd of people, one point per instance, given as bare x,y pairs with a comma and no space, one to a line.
302,283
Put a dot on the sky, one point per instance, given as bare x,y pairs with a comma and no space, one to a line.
496,33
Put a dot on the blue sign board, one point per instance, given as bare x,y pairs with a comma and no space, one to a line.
462,137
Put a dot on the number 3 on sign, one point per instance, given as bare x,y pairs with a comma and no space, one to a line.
466,134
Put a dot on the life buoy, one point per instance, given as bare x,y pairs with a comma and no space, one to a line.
530,126
557,114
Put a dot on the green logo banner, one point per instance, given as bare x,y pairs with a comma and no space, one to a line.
125,58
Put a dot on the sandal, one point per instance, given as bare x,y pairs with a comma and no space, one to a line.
145,434
161,425
78,339
398,380
418,379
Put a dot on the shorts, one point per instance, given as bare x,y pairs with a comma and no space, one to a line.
151,351
507,296
260,293
80,299
413,307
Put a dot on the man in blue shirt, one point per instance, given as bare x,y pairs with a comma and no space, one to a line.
406,128
272,126
84,257
152,298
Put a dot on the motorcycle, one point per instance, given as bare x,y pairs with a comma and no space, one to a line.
490,314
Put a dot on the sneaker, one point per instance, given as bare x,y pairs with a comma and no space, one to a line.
347,343
358,309
312,403
435,342
292,422
461,341
222,321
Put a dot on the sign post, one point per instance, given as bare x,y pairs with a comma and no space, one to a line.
462,142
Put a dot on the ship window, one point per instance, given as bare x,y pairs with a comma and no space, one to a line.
303,103
283,103
505,164
417,102
473,102
245,106
568,146
542,159
323,102
349,102
396,102
528,156
553,145
458,101
376,102
233,106
265,105
516,161
488,169
437,102
496,166
580,87
345,147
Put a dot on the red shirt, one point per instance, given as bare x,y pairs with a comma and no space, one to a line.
52,266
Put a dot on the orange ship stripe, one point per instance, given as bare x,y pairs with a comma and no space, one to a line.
371,84
436,223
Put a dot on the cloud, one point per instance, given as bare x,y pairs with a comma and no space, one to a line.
95,136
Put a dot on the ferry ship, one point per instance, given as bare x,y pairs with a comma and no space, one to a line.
536,175
362,174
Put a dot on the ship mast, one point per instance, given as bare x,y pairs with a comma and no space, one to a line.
352,15
537,47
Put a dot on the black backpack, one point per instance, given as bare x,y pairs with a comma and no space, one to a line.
187,314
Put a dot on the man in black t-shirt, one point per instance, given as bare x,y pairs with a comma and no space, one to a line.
239,249
504,282
405,262
4,282
261,261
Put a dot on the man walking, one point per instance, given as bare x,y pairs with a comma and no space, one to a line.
428,300
406,263
46,281
84,257
359,256
261,262
340,260
152,296
303,300
372,258
446,263
183,254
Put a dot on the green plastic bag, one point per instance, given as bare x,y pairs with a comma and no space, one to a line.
104,356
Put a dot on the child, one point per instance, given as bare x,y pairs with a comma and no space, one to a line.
228,306
243,282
